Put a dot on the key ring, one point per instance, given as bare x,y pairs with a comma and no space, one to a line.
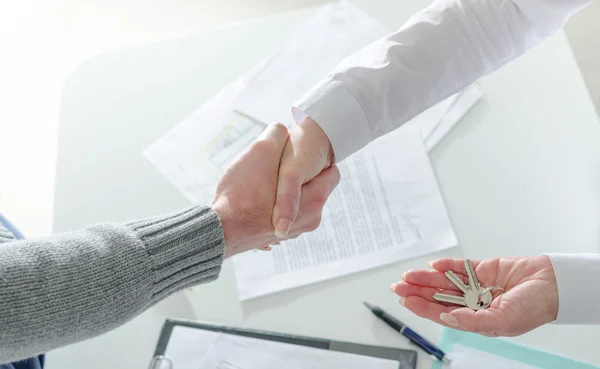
485,304
490,289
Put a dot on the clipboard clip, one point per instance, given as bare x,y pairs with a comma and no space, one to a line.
161,362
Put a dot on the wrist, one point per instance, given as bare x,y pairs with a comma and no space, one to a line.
224,212
548,274
313,130
239,226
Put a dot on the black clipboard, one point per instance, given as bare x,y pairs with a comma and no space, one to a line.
407,359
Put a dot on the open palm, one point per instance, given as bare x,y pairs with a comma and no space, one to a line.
529,301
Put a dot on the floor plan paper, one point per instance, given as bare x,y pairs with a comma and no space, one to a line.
194,153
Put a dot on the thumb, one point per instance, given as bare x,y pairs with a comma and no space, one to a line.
287,201
307,152
485,321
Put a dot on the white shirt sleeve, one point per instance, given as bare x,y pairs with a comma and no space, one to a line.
575,272
438,52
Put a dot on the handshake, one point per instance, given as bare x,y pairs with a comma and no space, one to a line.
276,190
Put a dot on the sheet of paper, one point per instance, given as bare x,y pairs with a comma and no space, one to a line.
333,33
194,153
427,121
187,346
464,357
461,104
190,348
311,53
230,352
384,210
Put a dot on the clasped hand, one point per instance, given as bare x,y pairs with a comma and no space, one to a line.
246,195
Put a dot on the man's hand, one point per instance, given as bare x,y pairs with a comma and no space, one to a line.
245,195
307,153
529,301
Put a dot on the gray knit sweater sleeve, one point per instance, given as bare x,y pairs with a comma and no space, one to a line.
77,285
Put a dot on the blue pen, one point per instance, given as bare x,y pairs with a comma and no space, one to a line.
401,328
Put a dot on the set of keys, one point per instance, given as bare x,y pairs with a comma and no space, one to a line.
474,296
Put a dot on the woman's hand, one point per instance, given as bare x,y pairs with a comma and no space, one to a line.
307,153
529,301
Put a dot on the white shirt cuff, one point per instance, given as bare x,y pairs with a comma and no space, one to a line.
338,113
577,277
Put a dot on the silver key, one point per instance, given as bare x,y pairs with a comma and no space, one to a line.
457,281
474,297
473,281
450,299
473,300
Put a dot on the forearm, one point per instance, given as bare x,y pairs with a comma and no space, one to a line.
77,285
438,52
573,272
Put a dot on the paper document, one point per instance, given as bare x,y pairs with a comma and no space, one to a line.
310,54
334,33
194,153
435,131
187,346
386,208
230,352
464,357
428,120
191,348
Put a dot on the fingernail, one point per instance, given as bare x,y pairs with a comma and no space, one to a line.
430,264
402,300
393,287
283,228
449,319
404,276
276,243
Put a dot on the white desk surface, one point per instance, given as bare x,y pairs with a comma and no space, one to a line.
520,176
